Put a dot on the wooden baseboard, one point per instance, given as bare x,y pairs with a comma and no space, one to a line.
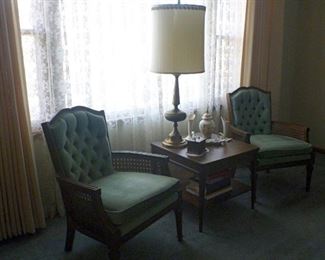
319,149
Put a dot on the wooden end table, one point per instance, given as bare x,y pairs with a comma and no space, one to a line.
232,155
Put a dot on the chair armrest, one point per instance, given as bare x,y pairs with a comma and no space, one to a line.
239,134
84,206
289,129
140,162
78,186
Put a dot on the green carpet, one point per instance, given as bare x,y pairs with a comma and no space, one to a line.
288,223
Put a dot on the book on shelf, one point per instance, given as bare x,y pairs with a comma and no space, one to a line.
220,192
209,188
218,182
215,177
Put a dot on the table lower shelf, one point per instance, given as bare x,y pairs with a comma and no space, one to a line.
238,188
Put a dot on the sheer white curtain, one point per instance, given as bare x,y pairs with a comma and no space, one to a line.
96,53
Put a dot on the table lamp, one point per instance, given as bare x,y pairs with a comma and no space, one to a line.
178,48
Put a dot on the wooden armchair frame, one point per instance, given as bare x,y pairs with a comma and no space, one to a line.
280,128
83,204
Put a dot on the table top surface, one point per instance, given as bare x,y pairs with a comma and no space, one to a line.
230,149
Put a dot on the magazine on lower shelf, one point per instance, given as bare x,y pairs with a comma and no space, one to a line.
215,177
209,188
212,195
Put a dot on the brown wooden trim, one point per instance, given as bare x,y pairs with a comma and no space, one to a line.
230,112
290,129
76,108
319,149
239,134
229,102
249,87
282,165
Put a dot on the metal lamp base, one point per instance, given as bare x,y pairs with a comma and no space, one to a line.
174,139
170,144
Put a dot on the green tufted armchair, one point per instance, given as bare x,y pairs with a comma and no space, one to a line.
281,144
109,196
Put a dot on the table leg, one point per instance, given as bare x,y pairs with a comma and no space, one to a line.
253,183
202,179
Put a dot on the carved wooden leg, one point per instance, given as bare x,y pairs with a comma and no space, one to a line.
310,168
202,181
253,184
114,253
70,236
178,216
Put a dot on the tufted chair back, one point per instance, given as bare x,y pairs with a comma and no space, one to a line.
250,110
79,145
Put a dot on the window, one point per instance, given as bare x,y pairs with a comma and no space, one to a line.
96,53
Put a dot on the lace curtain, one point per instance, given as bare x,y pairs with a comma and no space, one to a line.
96,53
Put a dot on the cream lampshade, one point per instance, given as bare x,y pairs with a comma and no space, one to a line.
178,48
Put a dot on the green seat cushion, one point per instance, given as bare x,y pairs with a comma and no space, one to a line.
143,216
273,146
126,195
